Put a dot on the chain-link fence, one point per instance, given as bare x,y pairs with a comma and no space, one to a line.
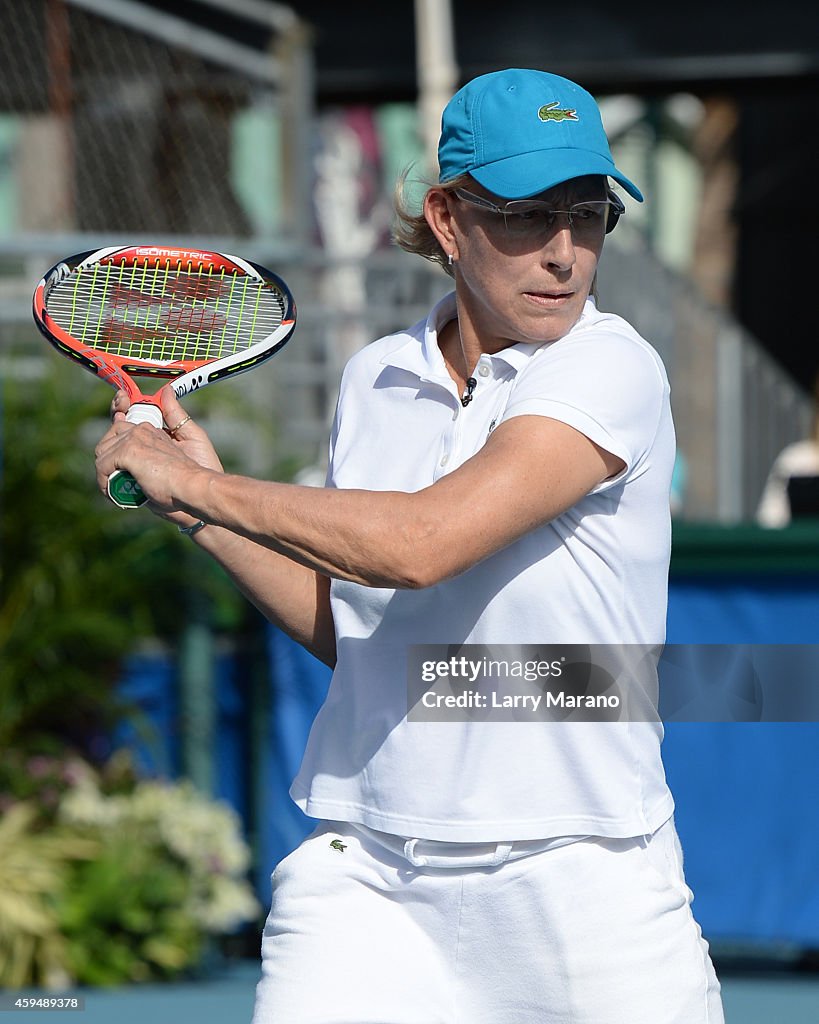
120,122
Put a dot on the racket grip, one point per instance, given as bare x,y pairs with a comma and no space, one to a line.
123,489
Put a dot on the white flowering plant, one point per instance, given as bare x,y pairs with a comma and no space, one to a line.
163,869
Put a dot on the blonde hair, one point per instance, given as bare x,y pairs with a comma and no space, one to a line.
411,231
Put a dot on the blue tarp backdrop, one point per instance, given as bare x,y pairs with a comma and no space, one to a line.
746,793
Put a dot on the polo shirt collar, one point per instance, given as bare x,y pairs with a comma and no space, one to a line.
419,353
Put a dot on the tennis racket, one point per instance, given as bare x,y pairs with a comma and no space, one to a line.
186,315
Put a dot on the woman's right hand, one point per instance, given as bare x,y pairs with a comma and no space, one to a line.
192,441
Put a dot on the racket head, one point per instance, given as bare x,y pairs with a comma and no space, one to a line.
191,316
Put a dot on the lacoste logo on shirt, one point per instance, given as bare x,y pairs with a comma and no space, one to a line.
551,112
338,845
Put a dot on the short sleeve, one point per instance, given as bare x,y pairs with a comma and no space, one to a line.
608,385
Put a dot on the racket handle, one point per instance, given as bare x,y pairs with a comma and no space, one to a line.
123,489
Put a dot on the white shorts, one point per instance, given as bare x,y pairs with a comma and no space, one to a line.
597,931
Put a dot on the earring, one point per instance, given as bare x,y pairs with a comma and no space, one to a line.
451,259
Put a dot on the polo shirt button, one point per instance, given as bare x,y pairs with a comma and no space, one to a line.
483,371
444,460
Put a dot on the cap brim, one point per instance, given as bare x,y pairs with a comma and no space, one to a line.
518,177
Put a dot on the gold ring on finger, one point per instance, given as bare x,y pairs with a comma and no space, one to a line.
180,425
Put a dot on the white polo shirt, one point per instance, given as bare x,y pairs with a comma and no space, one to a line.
595,575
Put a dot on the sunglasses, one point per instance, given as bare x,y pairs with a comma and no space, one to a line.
532,218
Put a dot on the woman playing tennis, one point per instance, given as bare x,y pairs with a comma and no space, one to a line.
499,474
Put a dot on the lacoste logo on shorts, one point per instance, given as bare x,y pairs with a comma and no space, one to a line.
551,112
338,845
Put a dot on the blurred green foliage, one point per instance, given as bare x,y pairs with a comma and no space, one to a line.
104,877
81,582
34,870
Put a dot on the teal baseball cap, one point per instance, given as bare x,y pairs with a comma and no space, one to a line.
519,132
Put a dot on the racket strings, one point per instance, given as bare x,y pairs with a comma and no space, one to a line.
163,313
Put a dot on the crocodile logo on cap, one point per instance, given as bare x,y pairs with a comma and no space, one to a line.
553,112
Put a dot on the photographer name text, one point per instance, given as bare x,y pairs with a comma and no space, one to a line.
558,699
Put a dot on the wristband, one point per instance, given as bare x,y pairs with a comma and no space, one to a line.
189,531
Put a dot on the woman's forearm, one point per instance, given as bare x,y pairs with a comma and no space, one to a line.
290,595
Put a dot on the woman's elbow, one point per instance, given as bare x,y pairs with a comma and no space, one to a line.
424,566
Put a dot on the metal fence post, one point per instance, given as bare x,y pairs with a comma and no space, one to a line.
729,423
